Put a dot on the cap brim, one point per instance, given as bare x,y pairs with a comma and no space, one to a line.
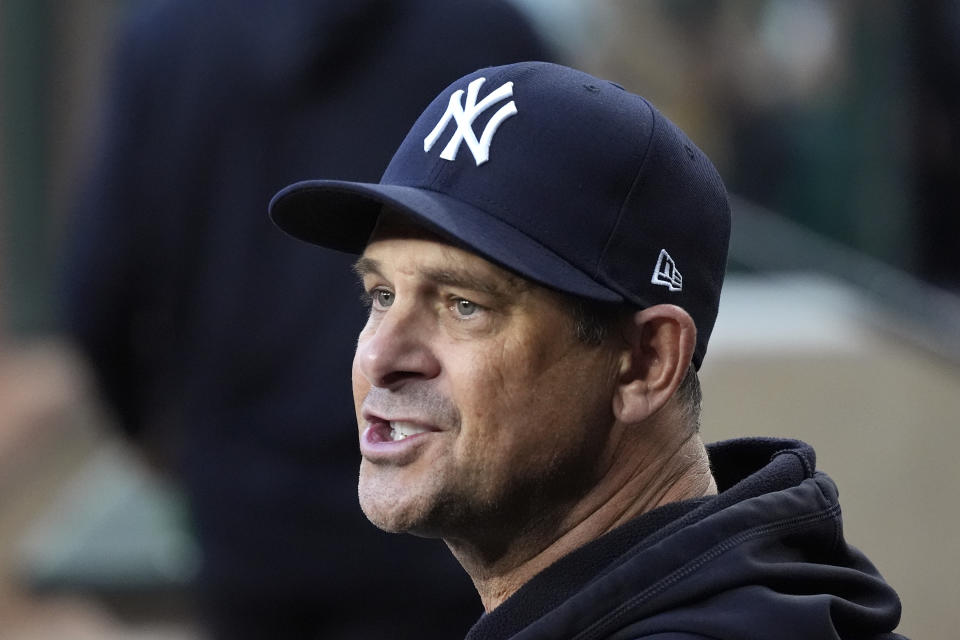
342,215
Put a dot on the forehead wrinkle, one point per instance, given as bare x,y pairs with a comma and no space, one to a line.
501,284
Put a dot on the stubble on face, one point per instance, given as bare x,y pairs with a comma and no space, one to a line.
522,405
384,492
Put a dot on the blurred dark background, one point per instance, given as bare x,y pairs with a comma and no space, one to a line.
836,126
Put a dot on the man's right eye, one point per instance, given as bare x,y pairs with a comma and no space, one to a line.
382,298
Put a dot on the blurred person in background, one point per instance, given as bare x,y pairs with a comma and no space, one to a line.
224,346
934,65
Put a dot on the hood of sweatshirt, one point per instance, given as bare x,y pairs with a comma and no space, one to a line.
766,558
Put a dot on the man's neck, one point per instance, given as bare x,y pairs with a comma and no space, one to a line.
663,473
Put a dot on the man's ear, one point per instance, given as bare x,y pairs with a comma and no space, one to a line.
658,350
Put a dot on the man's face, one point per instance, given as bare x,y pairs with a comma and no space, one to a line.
479,409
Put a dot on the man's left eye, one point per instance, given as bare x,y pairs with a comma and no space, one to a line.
465,307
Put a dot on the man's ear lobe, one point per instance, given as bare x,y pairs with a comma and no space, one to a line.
659,347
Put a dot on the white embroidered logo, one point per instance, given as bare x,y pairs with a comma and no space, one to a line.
466,114
666,274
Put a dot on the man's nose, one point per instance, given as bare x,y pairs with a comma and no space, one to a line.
397,348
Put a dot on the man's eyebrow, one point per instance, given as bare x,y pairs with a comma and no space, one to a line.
365,266
497,287
462,278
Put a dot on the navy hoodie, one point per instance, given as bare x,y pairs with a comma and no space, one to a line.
764,559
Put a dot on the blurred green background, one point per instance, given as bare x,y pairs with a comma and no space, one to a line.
834,124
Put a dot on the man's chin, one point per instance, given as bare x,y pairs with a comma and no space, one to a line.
395,519
389,507
384,523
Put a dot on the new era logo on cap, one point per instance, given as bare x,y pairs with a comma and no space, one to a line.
666,273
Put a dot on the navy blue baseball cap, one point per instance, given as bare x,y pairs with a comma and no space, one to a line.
565,179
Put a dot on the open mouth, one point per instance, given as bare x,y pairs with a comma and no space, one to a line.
394,431
401,430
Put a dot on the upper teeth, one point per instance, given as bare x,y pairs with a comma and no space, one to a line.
401,430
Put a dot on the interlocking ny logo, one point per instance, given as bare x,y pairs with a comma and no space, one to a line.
465,115
666,273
